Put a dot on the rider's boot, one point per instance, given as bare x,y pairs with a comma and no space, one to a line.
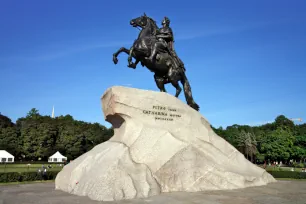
153,53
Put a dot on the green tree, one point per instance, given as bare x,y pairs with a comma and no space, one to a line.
282,121
8,140
246,143
47,135
300,143
33,113
277,145
231,134
299,153
8,135
5,122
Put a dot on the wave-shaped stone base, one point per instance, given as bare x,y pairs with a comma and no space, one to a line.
160,145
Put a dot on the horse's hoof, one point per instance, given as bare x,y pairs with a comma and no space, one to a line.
132,65
115,60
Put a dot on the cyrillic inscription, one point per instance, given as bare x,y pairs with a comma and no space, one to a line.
163,113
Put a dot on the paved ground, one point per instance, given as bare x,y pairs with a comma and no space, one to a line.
282,192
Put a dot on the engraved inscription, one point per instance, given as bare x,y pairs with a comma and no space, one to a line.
163,113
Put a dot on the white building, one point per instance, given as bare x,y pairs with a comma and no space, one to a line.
6,157
57,157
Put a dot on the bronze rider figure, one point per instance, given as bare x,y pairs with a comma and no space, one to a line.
165,43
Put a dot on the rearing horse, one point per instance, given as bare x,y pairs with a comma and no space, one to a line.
163,67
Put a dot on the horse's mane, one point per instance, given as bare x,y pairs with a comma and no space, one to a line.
153,24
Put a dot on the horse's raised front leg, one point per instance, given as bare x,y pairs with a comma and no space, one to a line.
115,55
133,65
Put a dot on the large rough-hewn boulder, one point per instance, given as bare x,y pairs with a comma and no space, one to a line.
160,145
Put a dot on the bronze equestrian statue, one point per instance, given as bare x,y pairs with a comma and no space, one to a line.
154,49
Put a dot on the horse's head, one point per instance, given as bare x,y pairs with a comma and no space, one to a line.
143,21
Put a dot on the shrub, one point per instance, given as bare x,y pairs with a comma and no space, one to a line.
30,176
10,177
288,174
26,176
51,175
298,165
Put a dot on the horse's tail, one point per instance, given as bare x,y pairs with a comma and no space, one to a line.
187,92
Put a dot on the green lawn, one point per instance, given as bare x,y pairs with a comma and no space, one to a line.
270,168
26,167
289,179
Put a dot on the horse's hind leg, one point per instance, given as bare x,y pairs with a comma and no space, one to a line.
174,78
178,88
160,82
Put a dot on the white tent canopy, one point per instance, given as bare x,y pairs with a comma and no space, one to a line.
6,157
57,157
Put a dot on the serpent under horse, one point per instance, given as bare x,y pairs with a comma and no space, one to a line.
163,67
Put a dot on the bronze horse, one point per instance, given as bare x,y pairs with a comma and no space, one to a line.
163,67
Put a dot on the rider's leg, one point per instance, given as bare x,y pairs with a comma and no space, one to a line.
157,46
153,52
130,57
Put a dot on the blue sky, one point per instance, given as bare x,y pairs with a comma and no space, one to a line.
245,60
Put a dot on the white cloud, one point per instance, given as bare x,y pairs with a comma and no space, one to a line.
259,123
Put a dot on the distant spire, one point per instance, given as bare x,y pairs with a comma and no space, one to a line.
52,112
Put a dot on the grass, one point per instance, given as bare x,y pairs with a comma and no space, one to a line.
270,168
26,182
26,167
290,179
